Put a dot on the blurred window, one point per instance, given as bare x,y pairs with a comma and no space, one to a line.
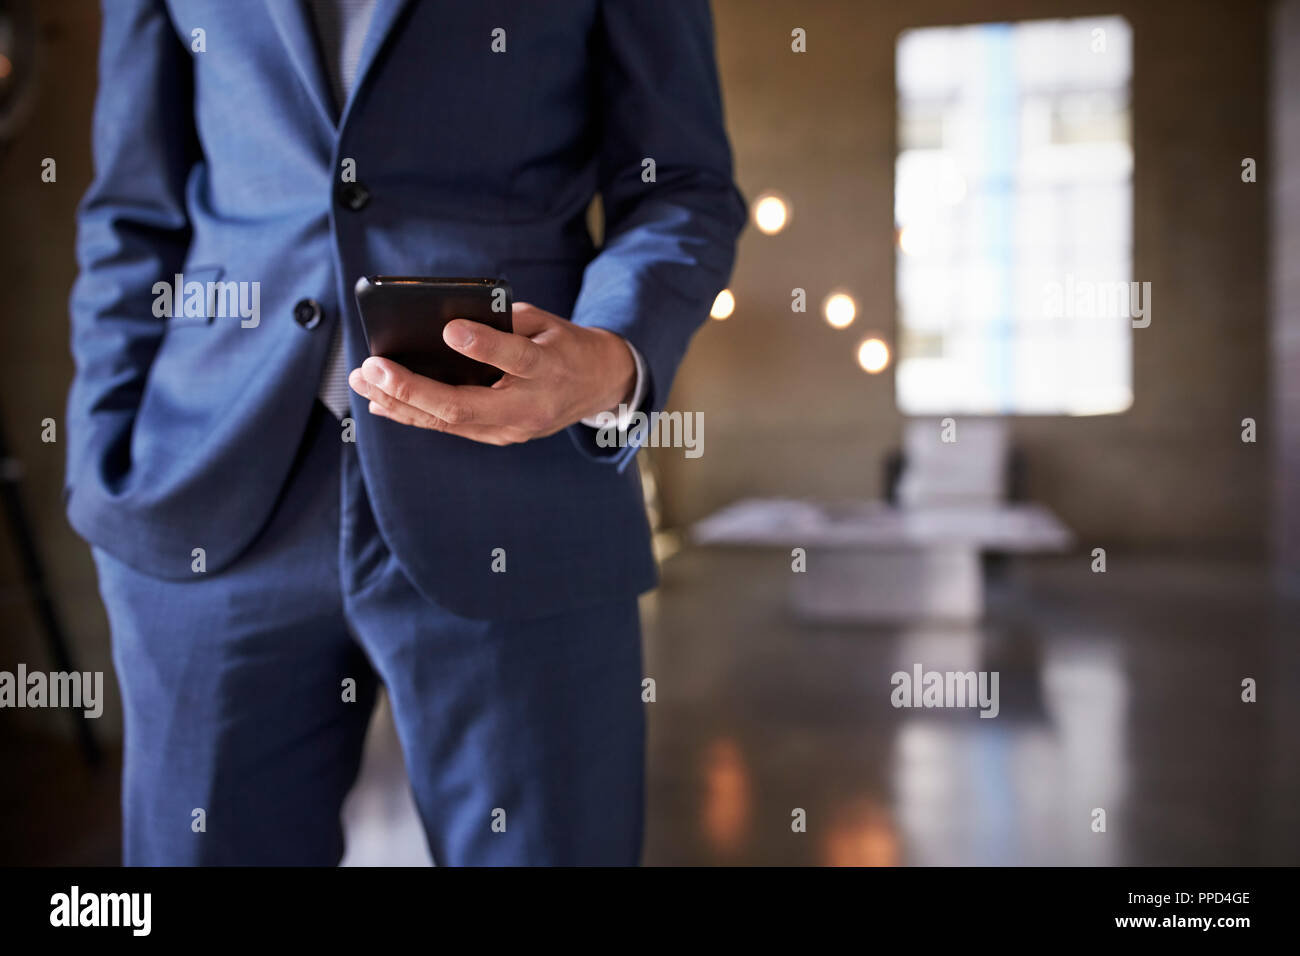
1013,205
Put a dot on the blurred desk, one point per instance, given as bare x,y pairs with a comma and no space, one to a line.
870,562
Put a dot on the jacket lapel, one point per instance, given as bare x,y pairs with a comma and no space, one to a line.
382,22
294,24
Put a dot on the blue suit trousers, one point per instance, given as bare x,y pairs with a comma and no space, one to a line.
247,693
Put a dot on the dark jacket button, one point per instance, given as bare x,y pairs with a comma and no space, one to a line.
307,313
354,196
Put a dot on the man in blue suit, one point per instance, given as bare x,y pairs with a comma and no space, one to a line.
272,543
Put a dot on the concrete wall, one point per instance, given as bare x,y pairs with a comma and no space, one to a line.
1284,186
36,273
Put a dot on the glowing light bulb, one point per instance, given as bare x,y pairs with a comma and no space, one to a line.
840,310
771,214
723,305
873,356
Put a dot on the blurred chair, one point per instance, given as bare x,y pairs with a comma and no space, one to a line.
981,467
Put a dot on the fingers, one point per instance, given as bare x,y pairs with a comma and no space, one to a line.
453,404
512,352
405,415
386,406
509,411
528,319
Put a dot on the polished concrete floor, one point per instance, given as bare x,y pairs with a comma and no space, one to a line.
1119,692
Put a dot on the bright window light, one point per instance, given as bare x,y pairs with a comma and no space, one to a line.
1013,200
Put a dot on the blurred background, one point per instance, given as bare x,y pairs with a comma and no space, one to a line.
1007,379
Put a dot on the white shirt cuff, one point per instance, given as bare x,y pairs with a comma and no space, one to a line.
625,410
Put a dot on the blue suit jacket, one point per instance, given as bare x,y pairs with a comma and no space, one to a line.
225,165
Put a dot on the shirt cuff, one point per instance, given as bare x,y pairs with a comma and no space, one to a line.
625,410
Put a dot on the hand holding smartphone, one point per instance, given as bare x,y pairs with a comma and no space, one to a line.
403,318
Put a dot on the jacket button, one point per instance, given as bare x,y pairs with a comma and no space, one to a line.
354,196
307,313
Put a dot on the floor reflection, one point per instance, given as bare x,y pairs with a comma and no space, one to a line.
726,807
862,835
1118,693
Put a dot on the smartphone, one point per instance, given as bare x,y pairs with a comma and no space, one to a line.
403,318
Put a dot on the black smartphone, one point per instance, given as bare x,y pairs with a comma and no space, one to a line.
403,318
